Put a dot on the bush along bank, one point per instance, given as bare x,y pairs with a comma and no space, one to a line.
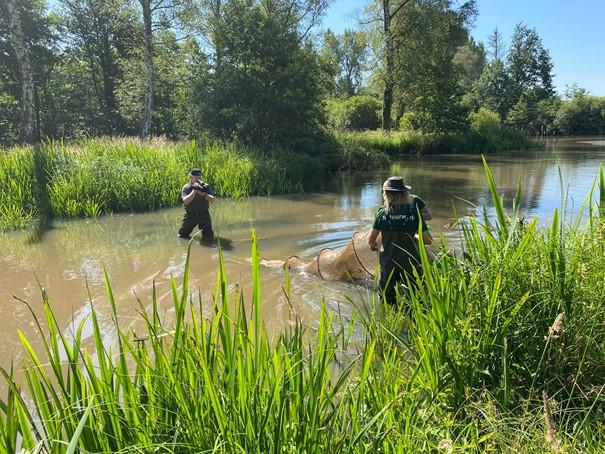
98,176
400,143
498,351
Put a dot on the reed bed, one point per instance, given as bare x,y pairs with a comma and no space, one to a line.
99,176
17,205
499,350
399,143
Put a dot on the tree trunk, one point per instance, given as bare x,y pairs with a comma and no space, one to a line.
27,129
107,61
150,91
387,101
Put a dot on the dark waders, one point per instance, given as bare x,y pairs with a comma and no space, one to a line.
201,220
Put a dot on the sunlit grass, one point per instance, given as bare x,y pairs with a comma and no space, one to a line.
399,143
17,205
479,358
98,176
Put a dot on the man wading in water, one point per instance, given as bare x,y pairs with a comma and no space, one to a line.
197,198
398,220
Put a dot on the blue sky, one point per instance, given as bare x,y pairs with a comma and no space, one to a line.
573,31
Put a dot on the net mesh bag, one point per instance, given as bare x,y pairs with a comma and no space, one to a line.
354,261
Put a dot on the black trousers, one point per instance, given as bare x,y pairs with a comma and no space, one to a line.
390,277
202,220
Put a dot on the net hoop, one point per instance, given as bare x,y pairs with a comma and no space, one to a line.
357,256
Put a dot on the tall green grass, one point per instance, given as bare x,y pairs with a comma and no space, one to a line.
97,176
17,204
521,314
407,143
500,350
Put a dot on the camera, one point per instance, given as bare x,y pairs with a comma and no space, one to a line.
203,187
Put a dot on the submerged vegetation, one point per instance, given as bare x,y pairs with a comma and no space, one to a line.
499,350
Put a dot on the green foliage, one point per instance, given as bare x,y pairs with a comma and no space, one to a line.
529,64
17,206
485,121
8,113
502,319
492,90
354,113
429,79
93,177
264,87
345,58
177,67
581,115
405,143
354,154
489,349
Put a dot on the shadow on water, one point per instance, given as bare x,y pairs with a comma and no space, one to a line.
225,243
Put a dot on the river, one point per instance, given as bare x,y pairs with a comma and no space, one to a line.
138,250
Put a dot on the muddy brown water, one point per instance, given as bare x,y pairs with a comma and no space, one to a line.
138,250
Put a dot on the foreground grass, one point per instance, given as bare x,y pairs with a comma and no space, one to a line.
499,351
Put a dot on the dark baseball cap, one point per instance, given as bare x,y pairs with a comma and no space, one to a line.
195,173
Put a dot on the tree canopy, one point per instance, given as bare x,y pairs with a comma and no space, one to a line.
265,73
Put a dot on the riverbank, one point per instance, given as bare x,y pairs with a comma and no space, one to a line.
100,176
399,143
500,350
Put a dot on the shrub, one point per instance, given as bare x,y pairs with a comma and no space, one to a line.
485,121
356,113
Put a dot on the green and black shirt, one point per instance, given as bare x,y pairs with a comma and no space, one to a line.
398,227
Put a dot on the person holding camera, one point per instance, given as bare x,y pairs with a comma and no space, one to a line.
197,197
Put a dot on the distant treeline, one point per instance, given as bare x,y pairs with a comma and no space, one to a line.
265,74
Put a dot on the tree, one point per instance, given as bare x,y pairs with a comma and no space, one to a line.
178,64
430,79
99,33
470,59
265,89
529,64
13,10
389,11
581,114
345,55
157,14
492,90
495,45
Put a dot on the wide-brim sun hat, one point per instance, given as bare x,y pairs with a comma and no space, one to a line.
395,184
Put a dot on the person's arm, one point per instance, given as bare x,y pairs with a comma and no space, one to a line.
372,237
427,238
209,198
426,214
187,199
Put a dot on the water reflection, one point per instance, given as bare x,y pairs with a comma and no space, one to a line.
142,250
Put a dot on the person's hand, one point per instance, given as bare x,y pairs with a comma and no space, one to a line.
209,198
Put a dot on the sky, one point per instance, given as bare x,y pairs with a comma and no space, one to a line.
572,30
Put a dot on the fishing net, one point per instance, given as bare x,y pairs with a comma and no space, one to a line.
354,261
